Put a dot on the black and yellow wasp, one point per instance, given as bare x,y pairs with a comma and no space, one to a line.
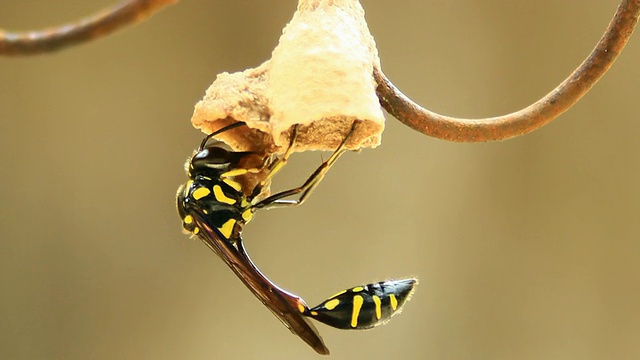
214,205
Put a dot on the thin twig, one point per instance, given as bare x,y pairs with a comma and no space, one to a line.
100,24
530,118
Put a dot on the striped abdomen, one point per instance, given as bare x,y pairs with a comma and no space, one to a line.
364,307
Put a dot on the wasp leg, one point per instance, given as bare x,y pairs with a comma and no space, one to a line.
277,200
276,164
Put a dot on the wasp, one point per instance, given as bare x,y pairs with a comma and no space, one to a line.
214,205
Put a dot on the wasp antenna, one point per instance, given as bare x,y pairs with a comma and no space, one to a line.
220,131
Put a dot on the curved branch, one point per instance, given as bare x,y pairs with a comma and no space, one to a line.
100,24
530,118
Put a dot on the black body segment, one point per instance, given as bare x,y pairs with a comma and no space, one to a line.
366,306
214,205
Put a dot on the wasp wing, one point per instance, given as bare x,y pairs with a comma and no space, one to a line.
285,306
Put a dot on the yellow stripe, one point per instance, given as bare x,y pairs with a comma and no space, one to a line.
378,303
394,301
188,219
196,230
357,305
234,184
234,172
331,304
220,196
247,215
357,289
227,228
338,294
200,192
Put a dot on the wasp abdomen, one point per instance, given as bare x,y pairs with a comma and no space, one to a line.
363,307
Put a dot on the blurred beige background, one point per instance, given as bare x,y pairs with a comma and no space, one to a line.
525,249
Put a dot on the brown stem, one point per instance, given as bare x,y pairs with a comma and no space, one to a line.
100,24
530,118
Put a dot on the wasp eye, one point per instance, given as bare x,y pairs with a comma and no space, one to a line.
212,157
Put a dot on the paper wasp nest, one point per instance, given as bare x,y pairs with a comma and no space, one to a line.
319,76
